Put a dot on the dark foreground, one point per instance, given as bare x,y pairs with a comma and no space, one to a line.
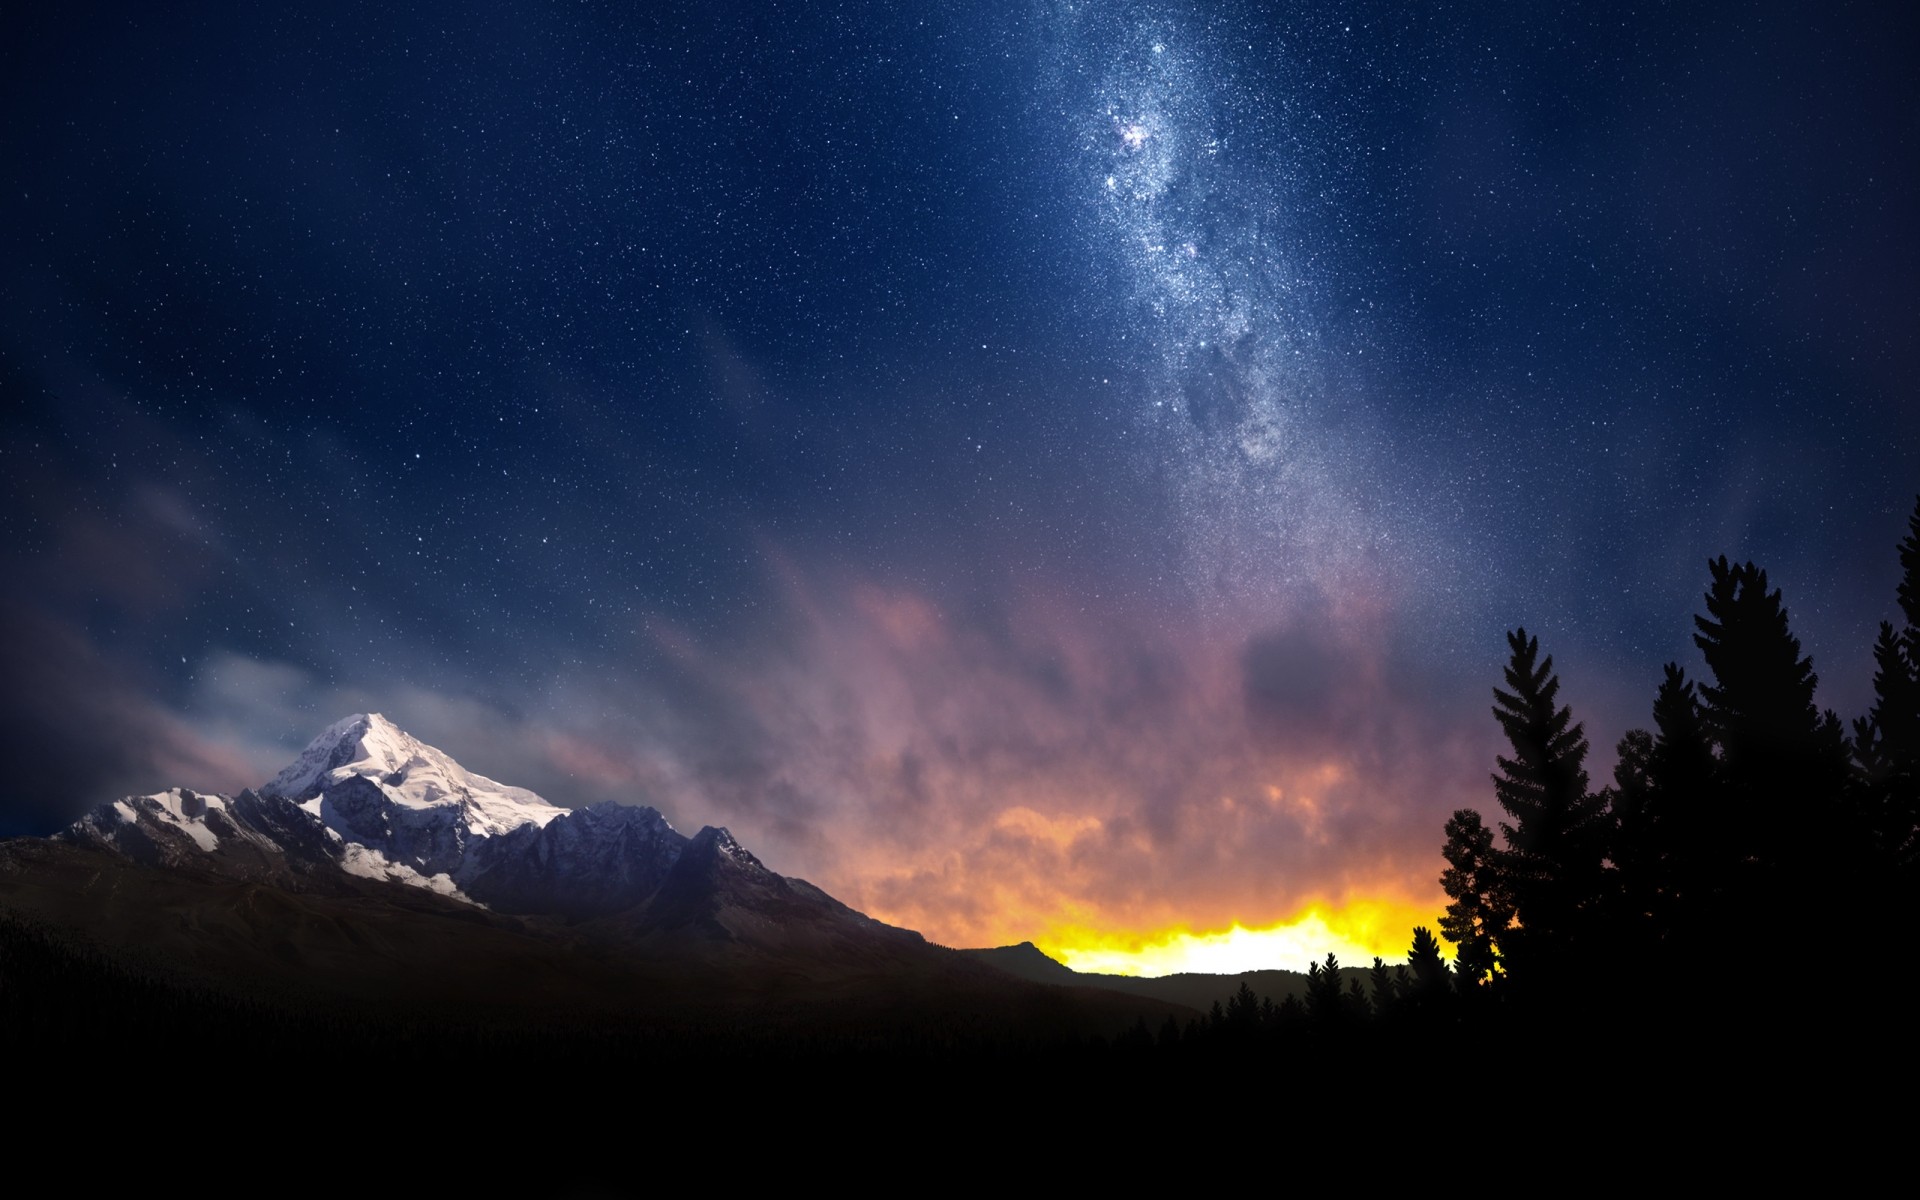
127,1067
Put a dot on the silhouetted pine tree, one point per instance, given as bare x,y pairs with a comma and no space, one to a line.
1481,909
1358,1007
1432,985
1690,816
1670,821
1886,741
1883,738
1325,1002
1781,761
1380,983
1243,1011
1638,852
1556,844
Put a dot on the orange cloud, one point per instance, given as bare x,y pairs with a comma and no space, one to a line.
1029,771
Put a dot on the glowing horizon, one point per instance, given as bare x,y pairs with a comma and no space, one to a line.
1355,933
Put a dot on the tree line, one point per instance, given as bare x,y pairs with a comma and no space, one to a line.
1745,837
1745,823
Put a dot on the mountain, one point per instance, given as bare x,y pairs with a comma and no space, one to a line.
1188,989
1028,961
367,799
377,875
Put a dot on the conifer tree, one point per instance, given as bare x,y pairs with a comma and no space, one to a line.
1380,983
1638,851
1325,1002
1690,818
1430,984
1669,835
1778,754
1556,842
1761,700
1480,910
1243,1009
1884,738
1886,741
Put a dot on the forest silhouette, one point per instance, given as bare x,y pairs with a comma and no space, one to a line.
1750,854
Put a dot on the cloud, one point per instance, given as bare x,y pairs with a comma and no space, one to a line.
984,767
82,729
982,770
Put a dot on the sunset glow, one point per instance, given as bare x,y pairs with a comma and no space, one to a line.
1354,933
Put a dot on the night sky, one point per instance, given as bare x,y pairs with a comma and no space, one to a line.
1053,471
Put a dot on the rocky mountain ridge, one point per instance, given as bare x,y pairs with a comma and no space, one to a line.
369,800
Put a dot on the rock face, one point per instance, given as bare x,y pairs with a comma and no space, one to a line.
586,862
721,894
245,836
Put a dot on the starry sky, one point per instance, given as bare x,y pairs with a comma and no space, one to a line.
1039,470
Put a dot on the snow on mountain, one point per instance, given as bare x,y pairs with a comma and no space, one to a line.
367,802
181,827
369,863
406,772
370,800
176,809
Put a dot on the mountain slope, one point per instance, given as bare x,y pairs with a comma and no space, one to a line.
720,902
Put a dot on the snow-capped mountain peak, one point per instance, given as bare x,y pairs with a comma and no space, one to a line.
367,799
406,772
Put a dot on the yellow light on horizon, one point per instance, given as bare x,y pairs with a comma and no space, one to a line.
1355,933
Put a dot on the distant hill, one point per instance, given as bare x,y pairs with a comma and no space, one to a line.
1191,990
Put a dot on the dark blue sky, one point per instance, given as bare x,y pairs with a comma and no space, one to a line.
859,423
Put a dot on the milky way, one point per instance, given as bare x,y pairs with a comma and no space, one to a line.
1060,473
1198,204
